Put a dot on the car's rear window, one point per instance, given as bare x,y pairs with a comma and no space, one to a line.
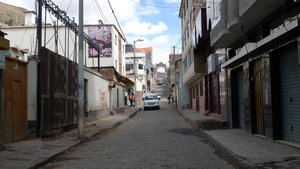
151,97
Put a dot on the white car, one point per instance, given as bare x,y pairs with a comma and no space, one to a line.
151,101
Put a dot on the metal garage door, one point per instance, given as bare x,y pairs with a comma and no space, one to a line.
290,93
241,99
238,99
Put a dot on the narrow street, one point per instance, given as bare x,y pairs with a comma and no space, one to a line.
152,139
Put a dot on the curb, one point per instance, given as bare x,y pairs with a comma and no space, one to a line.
2,147
53,157
221,150
225,153
113,126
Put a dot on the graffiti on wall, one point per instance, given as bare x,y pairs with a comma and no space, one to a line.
103,99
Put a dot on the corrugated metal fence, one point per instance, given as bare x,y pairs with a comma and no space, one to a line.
59,93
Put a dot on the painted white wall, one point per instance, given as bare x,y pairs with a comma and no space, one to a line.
98,91
118,96
93,62
32,89
24,37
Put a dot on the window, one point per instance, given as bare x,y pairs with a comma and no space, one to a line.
201,88
183,44
193,91
188,29
120,46
141,66
151,97
197,90
190,57
140,77
192,21
213,12
185,64
129,69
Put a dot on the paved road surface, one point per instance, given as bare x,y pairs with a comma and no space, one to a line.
151,140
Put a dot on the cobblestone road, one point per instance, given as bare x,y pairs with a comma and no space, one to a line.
155,139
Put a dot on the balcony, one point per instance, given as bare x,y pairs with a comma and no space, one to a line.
239,17
278,36
195,69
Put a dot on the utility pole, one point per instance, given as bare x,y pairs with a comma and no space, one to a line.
39,115
135,68
80,75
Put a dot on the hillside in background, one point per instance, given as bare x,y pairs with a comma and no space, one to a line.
11,15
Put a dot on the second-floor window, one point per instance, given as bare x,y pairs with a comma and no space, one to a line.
190,57
185,64
141,66
129,69
213,11
188,29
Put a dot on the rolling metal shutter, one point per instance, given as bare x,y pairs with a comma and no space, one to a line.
241,99
290,93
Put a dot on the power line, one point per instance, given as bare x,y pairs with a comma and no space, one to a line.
117,21
97,12
69,6
101,12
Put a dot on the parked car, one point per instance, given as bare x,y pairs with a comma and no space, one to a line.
151,101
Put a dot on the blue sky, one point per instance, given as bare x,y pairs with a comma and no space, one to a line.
155,21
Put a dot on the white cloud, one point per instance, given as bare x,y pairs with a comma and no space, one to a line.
144,28
131,14
160,39
147,10
173,1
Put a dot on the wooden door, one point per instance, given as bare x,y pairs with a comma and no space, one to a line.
259,102
15,104
17,113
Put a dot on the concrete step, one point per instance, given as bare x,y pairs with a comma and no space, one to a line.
209,124
2,147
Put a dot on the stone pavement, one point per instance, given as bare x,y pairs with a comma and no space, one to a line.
34,153
242,149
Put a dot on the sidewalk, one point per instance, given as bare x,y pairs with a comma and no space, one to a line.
37,152
242,149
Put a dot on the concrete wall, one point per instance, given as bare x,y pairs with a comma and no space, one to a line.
220,29
98,95
101,99
244,5
184,96
32,96
117,96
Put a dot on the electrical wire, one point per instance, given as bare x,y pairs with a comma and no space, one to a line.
69,6
117,21
101,11
97,12
21,42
